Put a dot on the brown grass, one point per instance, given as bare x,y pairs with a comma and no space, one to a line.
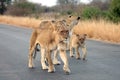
101,29
20,21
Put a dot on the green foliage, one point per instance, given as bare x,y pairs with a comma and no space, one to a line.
67,12
95,10
115,11
8,1
91,13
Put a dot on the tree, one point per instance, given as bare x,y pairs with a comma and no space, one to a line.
74,2
67,6
63,2
102,4
8,2
3,5
21,8
115,8
20,0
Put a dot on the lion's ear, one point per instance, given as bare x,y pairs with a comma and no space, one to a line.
85,35
77,35
53,21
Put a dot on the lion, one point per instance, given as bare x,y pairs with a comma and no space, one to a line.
71,22
49,39
78,41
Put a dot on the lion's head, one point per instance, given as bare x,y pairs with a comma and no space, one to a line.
81,38
71,21
61,30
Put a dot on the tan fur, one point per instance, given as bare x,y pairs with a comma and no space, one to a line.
48,40
78,41
47,25
71,21
44,25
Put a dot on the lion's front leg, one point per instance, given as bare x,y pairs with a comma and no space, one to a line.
43,56
65,61
84,52
51,68
71,52
55,58
77,53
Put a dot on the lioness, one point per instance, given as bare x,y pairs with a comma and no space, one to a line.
48,39
71,21
78,41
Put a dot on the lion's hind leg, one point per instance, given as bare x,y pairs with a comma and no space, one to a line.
33,39
30,61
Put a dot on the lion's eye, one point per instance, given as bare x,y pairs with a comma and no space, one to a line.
80,39
67,31
61,31
67,25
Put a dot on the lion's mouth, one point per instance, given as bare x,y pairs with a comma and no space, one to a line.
66,40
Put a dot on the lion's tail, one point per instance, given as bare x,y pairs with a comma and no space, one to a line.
33,41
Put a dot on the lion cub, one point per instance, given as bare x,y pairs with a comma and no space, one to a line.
78,41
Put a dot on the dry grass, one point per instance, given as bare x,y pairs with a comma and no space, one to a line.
101,29
20,21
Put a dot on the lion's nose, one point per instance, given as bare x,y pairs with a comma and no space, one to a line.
66,38
78,18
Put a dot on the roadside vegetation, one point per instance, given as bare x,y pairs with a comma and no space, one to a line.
20,21
95,29
100,19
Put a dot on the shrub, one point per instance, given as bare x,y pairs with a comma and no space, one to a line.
91,13
115,11
21,9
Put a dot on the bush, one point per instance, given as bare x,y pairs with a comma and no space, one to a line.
21,9
115,11
91,13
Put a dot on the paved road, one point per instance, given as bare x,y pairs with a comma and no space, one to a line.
103,60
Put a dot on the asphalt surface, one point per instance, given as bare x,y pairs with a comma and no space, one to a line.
103,59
